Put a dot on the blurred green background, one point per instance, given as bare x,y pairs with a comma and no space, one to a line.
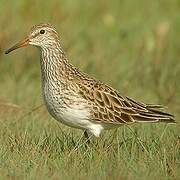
131,45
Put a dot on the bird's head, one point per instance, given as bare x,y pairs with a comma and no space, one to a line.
41,35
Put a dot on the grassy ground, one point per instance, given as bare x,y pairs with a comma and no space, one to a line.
131,45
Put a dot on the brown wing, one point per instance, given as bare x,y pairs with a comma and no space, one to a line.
110,107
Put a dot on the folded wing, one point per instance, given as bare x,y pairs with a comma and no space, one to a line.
110,107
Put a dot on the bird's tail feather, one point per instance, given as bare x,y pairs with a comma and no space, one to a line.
154,115
150,113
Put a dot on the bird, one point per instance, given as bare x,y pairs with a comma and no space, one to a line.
78,100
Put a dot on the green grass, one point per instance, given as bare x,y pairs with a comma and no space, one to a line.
131,45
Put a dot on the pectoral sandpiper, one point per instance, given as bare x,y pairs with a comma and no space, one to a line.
78,100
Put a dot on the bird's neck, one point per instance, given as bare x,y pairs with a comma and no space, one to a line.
54,64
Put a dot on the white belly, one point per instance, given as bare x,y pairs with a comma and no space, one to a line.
76,114
77,117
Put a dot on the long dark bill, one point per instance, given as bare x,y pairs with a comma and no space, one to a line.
22,43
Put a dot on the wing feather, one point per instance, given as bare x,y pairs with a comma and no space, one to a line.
109,106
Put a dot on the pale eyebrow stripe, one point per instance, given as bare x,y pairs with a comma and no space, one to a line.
35,35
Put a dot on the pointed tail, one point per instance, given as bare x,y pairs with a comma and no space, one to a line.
150,113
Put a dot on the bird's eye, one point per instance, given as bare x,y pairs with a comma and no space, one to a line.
42,31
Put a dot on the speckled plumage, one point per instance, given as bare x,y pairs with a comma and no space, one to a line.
78,100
